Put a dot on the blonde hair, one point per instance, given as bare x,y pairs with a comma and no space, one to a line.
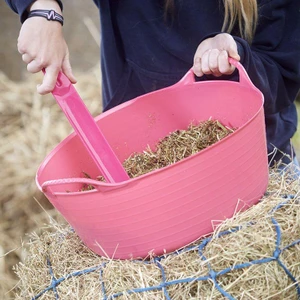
241,12
237,12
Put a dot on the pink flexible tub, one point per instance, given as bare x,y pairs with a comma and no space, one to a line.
169,208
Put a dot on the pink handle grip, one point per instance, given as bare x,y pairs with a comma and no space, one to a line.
98,185
189,77
63,181
86,128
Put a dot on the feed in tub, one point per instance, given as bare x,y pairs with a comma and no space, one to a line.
176,146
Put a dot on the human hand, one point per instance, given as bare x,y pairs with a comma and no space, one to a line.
42,45
212,54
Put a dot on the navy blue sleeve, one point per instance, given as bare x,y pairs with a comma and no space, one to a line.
273,59
20,7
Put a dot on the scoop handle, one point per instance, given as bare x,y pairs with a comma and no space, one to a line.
86,128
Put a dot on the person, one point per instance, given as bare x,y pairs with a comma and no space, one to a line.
148,45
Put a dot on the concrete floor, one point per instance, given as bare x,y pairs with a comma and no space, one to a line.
83,48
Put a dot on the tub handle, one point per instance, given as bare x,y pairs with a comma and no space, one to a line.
98,185
244,80
244,77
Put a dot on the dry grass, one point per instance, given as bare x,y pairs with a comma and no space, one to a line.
62,247
176,146
31,125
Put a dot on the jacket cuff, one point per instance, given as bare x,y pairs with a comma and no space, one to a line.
240,47
20,7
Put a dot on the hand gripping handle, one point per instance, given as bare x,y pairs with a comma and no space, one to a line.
189,77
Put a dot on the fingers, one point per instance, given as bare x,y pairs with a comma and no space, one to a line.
67,69
197,69
52,70
212,55
232,52
224,66
210,62
27,58
50,77
213,62
51,73
34,66
49,80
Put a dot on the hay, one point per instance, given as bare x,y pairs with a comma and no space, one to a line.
172,148
176,146
31,125
248,255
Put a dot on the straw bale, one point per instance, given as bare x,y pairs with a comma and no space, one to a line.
31,125
58,248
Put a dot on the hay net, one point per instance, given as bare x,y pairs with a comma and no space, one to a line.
254,255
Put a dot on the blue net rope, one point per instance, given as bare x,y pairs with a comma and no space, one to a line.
212,274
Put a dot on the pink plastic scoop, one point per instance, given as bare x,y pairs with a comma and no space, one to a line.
85,126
